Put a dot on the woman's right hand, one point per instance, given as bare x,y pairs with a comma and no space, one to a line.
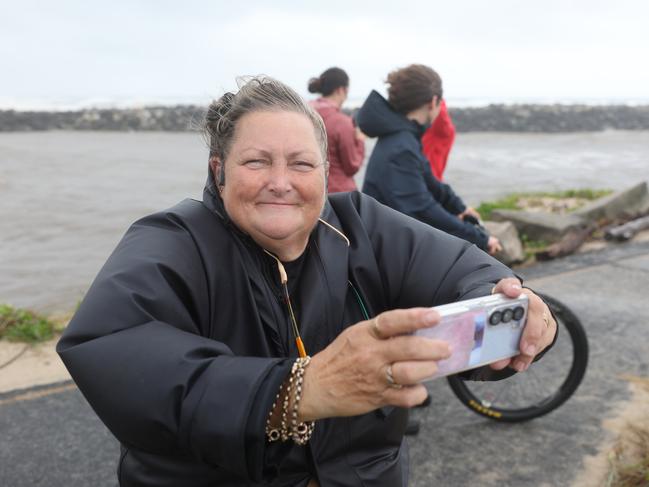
352,375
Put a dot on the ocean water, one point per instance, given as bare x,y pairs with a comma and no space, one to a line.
66,198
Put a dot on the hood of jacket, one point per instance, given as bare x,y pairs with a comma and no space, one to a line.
211,197
377,118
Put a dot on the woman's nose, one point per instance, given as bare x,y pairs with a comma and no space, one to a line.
279,177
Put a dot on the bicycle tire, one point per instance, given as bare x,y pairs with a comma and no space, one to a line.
479,396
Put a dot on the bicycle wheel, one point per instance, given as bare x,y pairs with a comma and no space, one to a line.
545,386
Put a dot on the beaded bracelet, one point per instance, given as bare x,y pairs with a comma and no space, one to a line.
300,433
284,431
273,434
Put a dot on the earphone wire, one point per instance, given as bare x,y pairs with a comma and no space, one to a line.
283,277
341,234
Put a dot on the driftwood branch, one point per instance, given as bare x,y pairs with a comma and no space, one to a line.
627,230
570,242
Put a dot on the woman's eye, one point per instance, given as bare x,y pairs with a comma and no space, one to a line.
255,163
302,166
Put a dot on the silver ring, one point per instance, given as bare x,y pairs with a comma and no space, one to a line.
390,378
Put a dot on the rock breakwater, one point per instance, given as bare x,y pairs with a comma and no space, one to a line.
492,118
179,118
550,118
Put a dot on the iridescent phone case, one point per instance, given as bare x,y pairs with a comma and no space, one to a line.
480,331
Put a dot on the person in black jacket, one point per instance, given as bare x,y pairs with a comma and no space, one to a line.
398,174
261,336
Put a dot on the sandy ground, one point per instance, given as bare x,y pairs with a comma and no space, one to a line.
23,366
625,419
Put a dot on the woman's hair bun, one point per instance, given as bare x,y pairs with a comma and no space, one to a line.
315,85
329,81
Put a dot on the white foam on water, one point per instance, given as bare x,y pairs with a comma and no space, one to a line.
59,104
53,104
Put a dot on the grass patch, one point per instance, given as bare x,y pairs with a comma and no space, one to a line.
21,325
509,202
629,464
531,247
521,201
586,193
628,461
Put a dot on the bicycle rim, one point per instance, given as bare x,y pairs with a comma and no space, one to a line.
545,386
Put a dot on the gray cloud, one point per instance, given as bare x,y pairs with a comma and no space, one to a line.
150,49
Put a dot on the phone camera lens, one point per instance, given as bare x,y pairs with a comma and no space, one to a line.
495,318
508,314
518,313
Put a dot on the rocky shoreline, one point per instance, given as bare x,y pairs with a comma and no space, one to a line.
550,118
492,118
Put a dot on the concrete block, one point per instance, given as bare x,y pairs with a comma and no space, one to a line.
539,225
627,203
506,232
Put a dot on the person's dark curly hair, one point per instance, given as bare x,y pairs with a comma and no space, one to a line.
412,87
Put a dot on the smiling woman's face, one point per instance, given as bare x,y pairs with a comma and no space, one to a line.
275,181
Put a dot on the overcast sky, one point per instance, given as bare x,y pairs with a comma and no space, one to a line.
85,51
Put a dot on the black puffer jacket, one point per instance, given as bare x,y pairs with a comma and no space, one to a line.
398,174
181,343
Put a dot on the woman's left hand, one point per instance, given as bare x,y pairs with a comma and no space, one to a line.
539,331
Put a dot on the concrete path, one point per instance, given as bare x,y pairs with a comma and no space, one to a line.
50,437
609,291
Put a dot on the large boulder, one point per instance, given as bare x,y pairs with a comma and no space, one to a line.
624,204
506,232
539,225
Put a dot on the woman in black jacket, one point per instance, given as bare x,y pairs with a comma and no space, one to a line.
398,174
191,344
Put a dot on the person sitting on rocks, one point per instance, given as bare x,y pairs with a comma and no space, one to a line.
398,174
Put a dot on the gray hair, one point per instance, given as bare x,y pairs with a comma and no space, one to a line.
256,94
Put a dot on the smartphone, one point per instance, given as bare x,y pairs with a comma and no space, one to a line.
480,331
